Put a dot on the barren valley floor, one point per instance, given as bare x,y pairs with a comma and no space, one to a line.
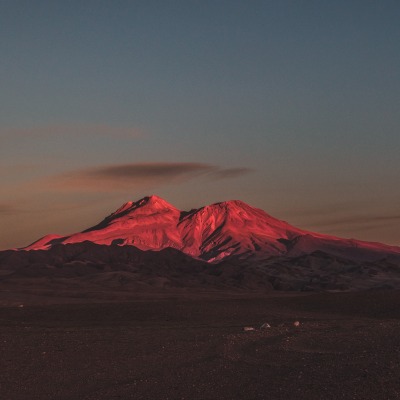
193,346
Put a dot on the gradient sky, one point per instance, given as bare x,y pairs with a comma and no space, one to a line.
291,106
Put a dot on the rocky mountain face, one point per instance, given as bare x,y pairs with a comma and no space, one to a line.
150,244
221,231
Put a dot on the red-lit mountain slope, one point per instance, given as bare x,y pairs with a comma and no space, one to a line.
217,232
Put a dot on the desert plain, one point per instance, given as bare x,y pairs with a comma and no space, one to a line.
186,344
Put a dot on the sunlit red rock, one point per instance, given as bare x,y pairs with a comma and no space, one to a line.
217,232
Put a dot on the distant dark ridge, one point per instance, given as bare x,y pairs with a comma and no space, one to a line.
130,268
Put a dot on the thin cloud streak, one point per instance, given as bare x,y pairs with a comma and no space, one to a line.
362,220
7,209
227,173
123,176
357,223
48,131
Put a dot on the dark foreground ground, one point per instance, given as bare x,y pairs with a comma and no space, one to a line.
194,347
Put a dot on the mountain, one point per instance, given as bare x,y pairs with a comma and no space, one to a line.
150,246
230,230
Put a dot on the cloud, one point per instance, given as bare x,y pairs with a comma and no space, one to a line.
7,209
124,176
13,172
48,131
359,223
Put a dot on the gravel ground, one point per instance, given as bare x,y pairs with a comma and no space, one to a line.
347,346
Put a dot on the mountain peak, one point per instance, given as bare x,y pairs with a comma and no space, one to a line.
153,202
231,203
235,205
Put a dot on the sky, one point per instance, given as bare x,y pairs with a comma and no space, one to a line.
290,106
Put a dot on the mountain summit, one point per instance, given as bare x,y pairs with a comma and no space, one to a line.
220,231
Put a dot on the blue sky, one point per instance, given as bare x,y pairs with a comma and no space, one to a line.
291,106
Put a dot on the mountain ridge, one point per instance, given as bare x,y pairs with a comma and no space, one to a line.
213,233
150,246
